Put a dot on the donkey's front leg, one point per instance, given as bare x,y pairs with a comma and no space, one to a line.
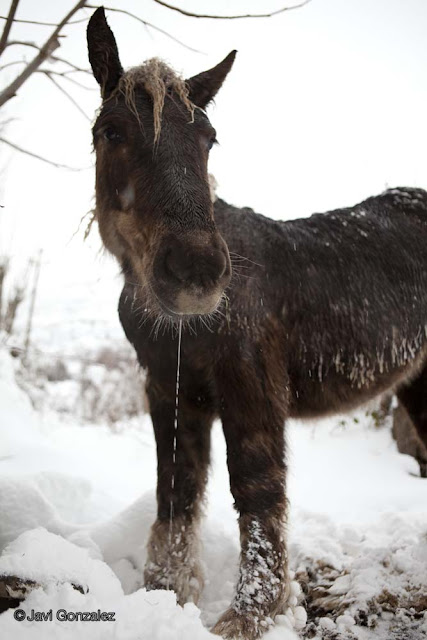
253,421
173,552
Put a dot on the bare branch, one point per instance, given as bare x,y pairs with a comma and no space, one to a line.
35,155
11,64
4,266
235,17
12,308
36,276
65,92
146,24
33,45
65,75
46,50
70,64
45,24
3,124
8,25
23,43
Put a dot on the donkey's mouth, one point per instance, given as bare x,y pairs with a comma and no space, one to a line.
188,304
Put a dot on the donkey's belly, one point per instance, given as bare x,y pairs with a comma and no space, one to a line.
322,392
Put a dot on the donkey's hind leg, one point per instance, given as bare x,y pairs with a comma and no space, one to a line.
413,397
173,551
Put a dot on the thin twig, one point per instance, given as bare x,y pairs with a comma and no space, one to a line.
33,45
11,64
46,50
65,75
8,25
3,123
44,24
35,155
234,17
36,276
147,24
70,64
23,43
65,92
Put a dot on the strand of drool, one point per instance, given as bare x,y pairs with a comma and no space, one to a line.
175,432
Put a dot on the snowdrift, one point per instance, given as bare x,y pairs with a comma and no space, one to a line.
72,523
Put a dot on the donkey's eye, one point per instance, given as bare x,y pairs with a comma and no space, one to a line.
112,135
210,143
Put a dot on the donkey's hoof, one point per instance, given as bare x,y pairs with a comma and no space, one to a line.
235,626
423,468
187,584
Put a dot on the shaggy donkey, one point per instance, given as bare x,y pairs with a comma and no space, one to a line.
320,315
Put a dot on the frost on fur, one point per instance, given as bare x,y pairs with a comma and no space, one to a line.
173,560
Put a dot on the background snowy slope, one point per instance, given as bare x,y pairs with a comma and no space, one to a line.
346,119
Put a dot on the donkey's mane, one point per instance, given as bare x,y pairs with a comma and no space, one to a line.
157,78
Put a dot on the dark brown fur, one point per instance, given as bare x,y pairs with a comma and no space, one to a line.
320,315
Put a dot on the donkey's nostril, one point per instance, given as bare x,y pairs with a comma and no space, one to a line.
178,265
191,266
221,261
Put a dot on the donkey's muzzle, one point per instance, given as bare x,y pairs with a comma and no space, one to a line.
191,272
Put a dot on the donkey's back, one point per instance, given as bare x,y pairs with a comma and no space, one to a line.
349,288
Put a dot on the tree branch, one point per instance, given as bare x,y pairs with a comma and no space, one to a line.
65,75
11,64
8,25
235,17
70,98
26,43
70,64
46,50
23,43
147,24
44,24
35,155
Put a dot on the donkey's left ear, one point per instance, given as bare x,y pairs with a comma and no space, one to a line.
103,53
204,87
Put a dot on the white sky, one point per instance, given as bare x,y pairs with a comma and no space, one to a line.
325,106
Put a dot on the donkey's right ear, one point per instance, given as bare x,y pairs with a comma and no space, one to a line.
103,53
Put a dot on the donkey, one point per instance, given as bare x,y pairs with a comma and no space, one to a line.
281,319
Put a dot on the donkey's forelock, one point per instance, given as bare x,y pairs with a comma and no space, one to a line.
158,79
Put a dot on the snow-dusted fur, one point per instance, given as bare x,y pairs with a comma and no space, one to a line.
173,559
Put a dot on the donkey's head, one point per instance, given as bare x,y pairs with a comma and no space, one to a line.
153,204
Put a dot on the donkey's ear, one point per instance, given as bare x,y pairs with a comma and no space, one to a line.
103,53
204,87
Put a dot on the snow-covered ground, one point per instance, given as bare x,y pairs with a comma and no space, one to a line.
77,501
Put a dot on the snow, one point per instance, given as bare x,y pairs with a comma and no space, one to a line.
84,492
77,501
